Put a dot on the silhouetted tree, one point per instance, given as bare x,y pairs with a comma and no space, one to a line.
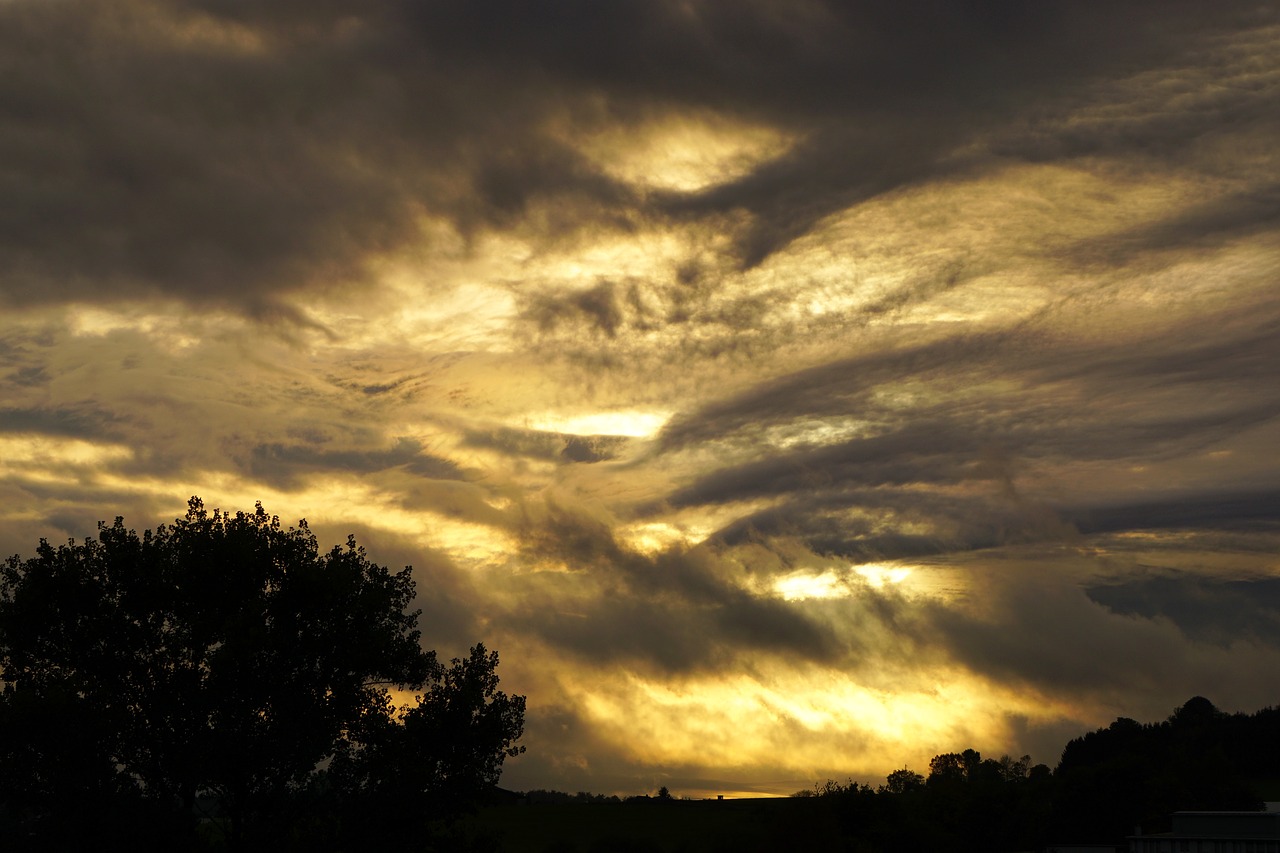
947,768
432,759
222,654
902,781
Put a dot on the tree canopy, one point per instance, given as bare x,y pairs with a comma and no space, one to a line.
226,655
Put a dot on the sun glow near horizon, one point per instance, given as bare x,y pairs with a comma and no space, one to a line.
809,720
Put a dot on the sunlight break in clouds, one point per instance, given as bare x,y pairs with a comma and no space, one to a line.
684,154
831,584
634,424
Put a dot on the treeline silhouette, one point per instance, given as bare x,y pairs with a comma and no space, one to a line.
539,795
1109,784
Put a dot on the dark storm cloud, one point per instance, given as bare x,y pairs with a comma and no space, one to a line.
1212,610
1252,213
912,83
882,94
238,153
83,421
30,376
642,633
511,179
674,610
1168,396
537,444
600,308
868,525
1232,106
283,464
1126,638
1049,633
1236,346
151,150
139,166
945,451
835,387
1225,511
924,451
829,172
587,543
820,58
55,513
665,633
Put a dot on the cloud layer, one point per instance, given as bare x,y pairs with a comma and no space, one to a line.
786,390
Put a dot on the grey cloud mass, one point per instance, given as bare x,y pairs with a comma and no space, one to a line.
803,371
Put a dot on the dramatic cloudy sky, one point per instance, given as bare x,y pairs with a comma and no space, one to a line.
786,388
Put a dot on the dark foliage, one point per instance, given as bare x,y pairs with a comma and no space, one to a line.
430,761
1129,773
1108,782
541,795
227,657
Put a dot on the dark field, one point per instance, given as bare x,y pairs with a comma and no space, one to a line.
659,827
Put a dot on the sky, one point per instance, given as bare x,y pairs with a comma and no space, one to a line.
786,390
